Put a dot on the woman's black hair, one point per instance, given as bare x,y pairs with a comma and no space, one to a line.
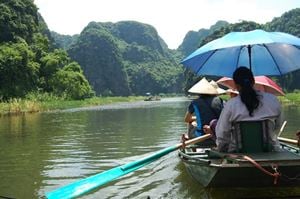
244,77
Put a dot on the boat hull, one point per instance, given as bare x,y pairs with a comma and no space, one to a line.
219,172
210,176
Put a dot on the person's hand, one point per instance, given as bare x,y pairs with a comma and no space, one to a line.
207,129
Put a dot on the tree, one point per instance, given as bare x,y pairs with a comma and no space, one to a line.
71,83
28,61
18,70
50,64
18,18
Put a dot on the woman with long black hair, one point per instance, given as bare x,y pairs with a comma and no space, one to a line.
249,105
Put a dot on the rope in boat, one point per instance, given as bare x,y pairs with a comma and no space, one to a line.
275,175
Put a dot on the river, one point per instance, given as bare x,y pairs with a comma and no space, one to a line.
43,151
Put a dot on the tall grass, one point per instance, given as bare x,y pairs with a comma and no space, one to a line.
291,98
17,106
39,102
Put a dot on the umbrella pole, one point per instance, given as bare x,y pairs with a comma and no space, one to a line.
249,53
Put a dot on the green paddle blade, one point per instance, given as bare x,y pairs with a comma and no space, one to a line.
86,185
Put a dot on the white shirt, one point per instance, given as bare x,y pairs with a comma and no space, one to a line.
235,110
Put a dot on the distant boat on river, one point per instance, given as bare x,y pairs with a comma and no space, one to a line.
153,98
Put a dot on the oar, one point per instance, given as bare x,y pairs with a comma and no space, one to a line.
287,140
85,185
282,127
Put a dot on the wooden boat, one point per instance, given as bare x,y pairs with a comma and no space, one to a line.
214,169
152,98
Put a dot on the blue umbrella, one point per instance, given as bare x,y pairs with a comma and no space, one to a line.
265,53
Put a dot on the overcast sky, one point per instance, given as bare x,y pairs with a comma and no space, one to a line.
171,18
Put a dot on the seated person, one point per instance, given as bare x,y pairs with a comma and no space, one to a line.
205,108
249,105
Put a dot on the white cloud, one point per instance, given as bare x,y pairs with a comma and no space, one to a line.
171,18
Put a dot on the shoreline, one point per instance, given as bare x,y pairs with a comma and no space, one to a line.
25,106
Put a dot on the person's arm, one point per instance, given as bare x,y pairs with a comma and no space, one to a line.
223,129
189,118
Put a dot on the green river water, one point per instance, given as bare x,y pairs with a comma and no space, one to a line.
43,151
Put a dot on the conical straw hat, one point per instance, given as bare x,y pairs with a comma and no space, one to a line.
203,87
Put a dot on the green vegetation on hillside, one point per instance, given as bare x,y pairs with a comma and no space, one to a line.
28,62
126,58
193,39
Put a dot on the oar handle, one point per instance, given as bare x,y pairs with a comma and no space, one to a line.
287,140
282,127
194,141
163,152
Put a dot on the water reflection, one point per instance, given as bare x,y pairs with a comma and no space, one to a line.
40,152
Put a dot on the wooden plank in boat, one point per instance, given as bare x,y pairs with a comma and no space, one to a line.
284,155
269,156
